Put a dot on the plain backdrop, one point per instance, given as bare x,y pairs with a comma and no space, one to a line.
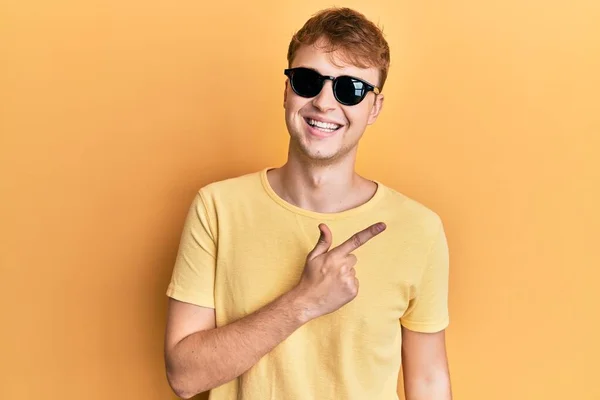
114,113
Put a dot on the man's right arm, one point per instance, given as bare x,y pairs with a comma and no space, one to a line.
200,356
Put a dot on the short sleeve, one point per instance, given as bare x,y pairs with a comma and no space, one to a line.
193,276
428,310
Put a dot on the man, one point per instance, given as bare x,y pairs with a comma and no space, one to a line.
309,281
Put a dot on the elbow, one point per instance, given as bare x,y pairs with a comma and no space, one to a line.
180,385
429,387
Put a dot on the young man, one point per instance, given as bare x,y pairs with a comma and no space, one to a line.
309,281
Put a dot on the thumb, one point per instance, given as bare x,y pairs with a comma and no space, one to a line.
323,243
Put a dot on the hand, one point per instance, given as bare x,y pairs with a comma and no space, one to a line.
329,278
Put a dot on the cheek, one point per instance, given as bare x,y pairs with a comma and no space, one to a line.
293,102
356,116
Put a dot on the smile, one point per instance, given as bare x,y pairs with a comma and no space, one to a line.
322,126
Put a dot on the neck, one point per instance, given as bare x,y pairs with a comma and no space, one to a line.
319,187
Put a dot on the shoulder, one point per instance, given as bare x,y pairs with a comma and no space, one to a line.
409,211
229,193
226,188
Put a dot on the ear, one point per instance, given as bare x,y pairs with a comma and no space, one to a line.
285,90
376,109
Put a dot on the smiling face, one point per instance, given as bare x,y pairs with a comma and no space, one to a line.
321,129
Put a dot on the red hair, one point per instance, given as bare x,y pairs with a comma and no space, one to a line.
356,40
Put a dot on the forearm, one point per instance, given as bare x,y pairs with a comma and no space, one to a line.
210,358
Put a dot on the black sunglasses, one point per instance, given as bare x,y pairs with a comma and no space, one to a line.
347,90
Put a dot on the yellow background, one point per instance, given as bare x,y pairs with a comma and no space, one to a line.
114,113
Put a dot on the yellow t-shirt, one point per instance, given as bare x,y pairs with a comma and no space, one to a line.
243,246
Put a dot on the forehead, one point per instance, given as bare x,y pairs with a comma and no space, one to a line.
328,63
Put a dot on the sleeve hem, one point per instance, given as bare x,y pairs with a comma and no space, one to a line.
202,301
427,327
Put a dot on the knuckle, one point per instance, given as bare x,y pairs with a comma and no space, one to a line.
329,260
335,259
356,240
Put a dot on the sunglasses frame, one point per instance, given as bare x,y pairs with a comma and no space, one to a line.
289,72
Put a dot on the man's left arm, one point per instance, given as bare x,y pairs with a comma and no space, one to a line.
424,359
425,366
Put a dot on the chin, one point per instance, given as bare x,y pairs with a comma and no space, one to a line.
321,155
309,150
317,150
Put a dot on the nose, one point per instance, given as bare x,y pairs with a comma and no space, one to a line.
325,100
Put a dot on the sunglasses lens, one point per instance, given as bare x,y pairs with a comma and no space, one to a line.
306,83
349,91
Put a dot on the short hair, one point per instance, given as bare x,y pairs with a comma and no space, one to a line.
356,40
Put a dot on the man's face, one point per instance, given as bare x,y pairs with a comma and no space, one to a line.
324,146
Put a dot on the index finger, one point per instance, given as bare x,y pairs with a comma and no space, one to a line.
359,238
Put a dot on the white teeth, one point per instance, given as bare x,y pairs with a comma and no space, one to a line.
326,126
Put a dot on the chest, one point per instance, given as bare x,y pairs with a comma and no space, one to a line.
254,269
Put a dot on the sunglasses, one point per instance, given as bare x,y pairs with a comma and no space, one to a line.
347,90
